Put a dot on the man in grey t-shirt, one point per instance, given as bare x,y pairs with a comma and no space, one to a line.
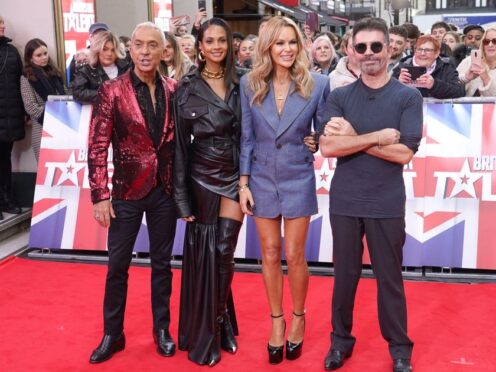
375,128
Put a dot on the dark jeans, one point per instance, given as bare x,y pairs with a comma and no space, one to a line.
5,166
161,221
385,239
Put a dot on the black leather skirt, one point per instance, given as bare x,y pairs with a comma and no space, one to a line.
199,279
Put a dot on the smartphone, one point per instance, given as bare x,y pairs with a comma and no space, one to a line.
312,21
415,72
202,4
182,20
476,57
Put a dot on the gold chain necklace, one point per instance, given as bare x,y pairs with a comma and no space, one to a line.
207,74
282,90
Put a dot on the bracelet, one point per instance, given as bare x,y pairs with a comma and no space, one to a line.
242,188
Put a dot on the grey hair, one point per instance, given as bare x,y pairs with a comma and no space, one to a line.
152,26
98,43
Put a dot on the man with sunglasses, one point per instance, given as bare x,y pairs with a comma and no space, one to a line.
375,129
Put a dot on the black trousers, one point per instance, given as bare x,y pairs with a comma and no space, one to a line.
5,166
123,230
385,239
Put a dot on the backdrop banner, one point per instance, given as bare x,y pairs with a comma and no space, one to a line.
450,186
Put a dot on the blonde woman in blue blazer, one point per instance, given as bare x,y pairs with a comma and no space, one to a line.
280,99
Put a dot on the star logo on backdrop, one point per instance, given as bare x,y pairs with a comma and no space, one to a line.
324,175
69,170
464,181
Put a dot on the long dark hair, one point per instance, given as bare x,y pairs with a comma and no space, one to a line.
228,63
50,69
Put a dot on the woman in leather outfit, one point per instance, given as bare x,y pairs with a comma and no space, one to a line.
106,61
206,173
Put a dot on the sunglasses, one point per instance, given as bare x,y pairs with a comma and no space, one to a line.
487,41
375,47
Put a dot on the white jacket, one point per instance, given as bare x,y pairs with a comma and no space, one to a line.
471,86
341,76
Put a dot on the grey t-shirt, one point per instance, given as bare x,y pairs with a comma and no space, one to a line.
364,185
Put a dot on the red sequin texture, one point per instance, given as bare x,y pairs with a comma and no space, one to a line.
117,119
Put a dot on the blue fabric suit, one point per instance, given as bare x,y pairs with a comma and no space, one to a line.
273,154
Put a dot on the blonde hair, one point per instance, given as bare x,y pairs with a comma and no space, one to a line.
98,43
263,69
315,45
483,50
181,62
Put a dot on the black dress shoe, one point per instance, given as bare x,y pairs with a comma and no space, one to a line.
165,344
335,359
402,365
108,346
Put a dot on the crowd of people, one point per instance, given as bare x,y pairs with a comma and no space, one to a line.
212,126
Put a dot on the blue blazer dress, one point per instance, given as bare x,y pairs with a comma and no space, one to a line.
273,154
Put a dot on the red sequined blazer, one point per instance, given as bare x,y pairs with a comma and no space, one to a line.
117,119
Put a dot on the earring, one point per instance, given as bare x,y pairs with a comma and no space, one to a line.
201,56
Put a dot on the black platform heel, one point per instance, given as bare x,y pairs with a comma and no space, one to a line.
293,350
276,353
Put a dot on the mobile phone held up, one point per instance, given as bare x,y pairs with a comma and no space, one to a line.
202,4
312,21
415,72
476,57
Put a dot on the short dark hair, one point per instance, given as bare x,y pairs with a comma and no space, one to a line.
469,28
412,30
372,23
440,24
398,30
238,35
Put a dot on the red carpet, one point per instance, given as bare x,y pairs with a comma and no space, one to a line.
50,318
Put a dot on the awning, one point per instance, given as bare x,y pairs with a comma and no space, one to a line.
324,18
300,13
297,14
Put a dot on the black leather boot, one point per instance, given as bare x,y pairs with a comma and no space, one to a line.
227,238
214,356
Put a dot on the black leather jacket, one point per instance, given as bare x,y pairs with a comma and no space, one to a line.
88,79
211,158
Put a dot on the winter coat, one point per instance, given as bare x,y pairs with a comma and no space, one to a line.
11,107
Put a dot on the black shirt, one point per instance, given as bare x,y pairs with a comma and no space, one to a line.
154,116
364,185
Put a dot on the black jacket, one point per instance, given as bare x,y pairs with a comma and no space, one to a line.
88,79
11,107
446,82
212,157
